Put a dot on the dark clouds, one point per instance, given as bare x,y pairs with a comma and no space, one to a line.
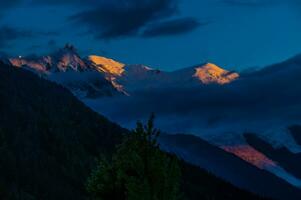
123,18
8,34
172,27
117,19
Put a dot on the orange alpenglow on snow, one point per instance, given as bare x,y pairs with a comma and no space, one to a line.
112,68
211,73
19,62
107,65
250,155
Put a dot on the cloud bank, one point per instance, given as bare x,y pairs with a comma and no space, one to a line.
259,100
172,27
115,19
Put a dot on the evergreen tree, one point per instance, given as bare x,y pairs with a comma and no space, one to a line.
138,170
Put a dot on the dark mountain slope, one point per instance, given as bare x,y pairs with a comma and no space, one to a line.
49,141
48,138
296,133
228,166
288,160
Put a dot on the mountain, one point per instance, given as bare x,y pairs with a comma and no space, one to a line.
137,78
217,105
49,139
97,76
111,69
228,166
207,73
4,57
265,102
67,68
296,133
49,142
289,160
65,59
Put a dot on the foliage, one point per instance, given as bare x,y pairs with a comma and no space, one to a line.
139,170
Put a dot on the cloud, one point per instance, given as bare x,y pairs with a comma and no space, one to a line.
51,45
267,98
8,34
172,27
126,18
115,19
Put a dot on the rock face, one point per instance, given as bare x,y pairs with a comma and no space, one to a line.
211,73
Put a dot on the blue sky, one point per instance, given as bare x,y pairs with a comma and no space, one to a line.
166,34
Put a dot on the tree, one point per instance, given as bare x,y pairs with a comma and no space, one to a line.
138,170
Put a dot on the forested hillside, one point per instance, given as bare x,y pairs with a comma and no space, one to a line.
49,142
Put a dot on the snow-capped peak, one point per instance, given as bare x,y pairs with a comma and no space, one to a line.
125,79
107,65
211,73
62,60
111,69
68,58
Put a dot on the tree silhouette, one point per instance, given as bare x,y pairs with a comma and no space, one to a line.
138,170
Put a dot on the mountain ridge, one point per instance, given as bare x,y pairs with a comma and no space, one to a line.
123,77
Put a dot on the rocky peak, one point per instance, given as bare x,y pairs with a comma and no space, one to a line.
211,73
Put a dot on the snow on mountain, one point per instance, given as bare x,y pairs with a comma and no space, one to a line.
63,65
211,73
61,61
110,68
66,67
107,66
41,65
67,58
263,102
139,77
205,74
96,76
131,78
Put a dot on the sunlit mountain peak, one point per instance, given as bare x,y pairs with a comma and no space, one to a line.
211,73
107,65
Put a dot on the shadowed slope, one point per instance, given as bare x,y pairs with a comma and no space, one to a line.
49,141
